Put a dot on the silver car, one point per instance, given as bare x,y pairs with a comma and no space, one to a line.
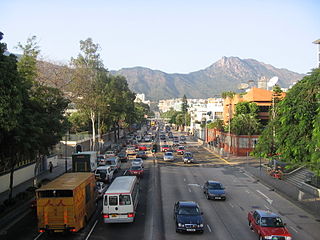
168,156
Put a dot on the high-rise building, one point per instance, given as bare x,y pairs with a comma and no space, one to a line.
318,54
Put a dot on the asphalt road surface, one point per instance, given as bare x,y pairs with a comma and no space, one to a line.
165,183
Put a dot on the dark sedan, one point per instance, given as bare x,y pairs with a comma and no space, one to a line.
214,190
188,217
142,154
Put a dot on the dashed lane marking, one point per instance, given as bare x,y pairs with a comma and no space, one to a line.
209,228
94,225
38,236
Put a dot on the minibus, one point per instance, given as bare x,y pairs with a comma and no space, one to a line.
121,200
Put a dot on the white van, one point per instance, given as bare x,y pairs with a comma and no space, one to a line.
104,173
114,162
121,200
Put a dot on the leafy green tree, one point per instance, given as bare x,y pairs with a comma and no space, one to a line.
295,121
218,124
10,91
184,106
227,94
78,122
85,86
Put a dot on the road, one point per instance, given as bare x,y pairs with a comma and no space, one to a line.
165,183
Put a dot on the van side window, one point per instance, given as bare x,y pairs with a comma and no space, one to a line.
113,200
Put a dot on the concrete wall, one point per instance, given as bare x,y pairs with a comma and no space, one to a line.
21,175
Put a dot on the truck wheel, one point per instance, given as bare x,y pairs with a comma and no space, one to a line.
261,238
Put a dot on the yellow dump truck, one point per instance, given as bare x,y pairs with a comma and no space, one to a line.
66,203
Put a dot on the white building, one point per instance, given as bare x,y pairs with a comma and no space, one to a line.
140,97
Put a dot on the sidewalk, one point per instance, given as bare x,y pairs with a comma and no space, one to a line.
11,217
251,165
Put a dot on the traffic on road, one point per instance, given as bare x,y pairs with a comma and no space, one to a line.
161,184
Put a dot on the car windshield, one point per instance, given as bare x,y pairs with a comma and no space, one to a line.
168,154
215,186
271,222
181,148
189,211
188,155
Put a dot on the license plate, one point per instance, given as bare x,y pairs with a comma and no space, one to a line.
114,215
190,230
218,197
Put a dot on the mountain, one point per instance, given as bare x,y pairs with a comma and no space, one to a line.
224,75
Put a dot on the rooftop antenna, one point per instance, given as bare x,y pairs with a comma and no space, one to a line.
273,81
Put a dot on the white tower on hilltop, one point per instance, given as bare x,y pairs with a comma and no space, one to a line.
318,54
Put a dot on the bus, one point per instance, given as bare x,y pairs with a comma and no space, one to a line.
84,161
66,203
121,200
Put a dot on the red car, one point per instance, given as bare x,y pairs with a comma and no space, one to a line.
180,150
142,148
136,171
165,148
268,225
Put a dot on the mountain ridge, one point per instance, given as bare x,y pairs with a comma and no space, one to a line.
223,75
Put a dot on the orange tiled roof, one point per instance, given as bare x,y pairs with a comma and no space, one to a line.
259,95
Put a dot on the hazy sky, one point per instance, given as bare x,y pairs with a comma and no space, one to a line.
169,35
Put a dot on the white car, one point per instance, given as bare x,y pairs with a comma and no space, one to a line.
187,157
137,162
168,156
104,173
114,162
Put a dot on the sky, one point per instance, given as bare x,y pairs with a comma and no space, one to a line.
174,36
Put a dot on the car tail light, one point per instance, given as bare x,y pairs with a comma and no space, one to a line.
130,215
73,230
41,230
105,215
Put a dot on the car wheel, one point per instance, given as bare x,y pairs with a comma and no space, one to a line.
250,226
177,230
201,232
208,196
261,238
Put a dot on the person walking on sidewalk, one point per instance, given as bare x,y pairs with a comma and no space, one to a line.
50,166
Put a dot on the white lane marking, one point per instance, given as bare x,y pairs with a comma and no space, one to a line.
266,207
94,225
209,228
194,184
38,236
294,229
248,175
247,192
184,179
189,189
267,198
125,172
231,205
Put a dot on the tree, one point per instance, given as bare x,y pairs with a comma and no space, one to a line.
227,94
85,85
218,124
295,126
184,105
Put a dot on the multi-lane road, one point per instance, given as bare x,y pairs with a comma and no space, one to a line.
165,183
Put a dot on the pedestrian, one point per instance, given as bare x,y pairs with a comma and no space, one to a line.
50,166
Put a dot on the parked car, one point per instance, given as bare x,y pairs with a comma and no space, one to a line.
104,173
188,217
268,225
114,162
180,150
101,189
147,138
142,154
137,162
136,171
123,157
188,157
214,190
168,156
